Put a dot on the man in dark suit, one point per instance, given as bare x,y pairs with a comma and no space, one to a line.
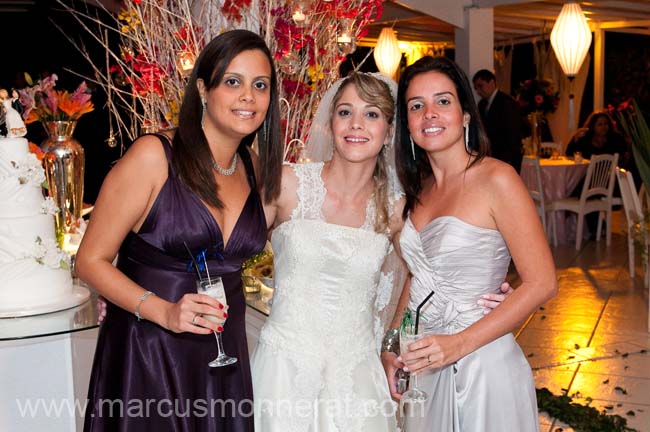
501,119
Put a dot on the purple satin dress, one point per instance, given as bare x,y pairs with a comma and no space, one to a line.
145,378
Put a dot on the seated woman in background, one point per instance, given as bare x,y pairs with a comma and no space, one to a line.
598,136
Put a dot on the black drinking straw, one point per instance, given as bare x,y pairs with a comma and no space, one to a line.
417,311
196,265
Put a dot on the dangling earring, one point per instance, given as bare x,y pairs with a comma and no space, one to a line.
203,104
412,146
466,127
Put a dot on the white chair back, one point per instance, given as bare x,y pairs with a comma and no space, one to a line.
634,205
600,177
534,185
644,198
631,201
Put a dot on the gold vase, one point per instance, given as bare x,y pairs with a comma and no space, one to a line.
64,169
535,120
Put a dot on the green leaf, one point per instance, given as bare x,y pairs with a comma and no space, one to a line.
579,417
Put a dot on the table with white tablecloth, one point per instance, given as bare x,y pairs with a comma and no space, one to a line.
559,178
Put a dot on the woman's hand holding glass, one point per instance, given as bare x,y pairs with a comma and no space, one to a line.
433,352
205,314
213,288
193,313
408,336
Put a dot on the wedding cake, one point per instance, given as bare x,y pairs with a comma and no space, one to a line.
35,274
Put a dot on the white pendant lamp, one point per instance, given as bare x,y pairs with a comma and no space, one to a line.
387,54
571,39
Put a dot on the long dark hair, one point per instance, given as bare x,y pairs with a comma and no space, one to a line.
191,157
590,124
413,171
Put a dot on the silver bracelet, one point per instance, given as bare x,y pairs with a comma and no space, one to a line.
390,343
142,299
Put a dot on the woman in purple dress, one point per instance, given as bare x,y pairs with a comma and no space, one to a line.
195,190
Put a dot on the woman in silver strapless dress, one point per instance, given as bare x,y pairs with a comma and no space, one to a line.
466,215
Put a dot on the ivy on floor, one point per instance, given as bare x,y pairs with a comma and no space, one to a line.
581,418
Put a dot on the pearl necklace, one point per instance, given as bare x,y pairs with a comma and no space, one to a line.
226,171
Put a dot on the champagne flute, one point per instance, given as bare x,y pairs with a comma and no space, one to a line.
407,336
213,287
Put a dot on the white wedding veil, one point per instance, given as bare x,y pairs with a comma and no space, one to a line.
320,143
319,148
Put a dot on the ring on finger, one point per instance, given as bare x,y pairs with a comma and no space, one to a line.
194,319
429,359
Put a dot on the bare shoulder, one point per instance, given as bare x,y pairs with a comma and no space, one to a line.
497,175
145,159
147,150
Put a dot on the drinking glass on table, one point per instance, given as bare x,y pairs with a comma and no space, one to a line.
213,287
577,157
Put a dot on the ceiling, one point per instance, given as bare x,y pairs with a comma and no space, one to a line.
515,20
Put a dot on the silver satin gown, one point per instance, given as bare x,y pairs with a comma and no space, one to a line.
491,389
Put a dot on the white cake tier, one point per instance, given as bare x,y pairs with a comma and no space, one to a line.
18,236
18,200
19,197
13,148
26,284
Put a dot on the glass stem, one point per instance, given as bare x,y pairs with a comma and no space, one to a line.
217,335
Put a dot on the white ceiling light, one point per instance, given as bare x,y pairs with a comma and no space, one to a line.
571,38
387,53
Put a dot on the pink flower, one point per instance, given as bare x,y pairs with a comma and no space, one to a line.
539,99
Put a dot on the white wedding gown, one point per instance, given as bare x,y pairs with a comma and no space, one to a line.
317,367
492,388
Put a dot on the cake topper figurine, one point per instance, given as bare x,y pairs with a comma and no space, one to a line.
12,119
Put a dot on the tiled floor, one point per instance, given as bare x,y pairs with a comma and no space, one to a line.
592,340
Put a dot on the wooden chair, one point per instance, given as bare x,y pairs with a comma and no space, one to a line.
596,196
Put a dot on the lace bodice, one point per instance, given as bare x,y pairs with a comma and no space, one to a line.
325,274
311,195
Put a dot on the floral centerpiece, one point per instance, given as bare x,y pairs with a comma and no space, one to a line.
64,159
41,102
537,98
538,95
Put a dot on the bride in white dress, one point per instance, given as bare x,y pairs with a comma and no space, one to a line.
467,215
316,367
